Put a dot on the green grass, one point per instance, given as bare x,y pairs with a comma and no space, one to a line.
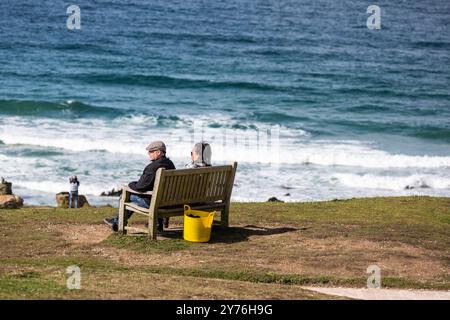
369,218
143,244
281,244
12,288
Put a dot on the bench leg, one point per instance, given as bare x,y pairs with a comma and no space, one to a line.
224,218
123,217
152,223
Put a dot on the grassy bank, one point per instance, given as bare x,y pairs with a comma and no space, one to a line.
270,250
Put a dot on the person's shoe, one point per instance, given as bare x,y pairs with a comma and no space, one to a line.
109,221
112,222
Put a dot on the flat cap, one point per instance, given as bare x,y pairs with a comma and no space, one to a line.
156,145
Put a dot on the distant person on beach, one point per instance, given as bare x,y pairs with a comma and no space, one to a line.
73,193
200,156
157,154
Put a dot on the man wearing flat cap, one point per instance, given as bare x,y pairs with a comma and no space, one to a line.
157,154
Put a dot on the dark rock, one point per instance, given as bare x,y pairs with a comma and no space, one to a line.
287,195
422,185
112,193
274,199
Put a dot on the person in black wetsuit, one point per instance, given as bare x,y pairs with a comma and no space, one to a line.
157,154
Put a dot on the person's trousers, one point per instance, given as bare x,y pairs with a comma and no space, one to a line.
73,199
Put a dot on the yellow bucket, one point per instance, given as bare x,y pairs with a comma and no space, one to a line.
197,228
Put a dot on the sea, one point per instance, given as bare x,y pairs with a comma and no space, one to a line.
311,98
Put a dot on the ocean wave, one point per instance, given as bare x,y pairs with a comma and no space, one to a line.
368,109
389,92
76,110
281,146
218,38
135,131
277,117
438,131
32,152
86,47
171,82
432,44
70,108
371,181
232,139
334,153
75,144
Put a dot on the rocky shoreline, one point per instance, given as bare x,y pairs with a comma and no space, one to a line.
8,200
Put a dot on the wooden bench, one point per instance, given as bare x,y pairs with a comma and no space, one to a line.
207,188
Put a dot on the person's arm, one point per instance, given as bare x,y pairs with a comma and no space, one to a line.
145,182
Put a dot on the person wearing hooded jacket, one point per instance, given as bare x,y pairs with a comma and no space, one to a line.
200,155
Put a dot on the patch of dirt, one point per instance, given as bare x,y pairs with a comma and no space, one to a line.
93,235
82,234
285,253
130,258
340,256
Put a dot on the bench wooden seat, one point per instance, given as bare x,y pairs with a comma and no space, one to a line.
207,188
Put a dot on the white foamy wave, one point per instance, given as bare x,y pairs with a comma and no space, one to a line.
76,143
244,147
371,181
58,186
335,153
128,135
136,120
265,144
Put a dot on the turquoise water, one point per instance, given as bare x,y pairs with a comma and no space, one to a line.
310,102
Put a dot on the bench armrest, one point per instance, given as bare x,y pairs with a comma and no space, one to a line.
128,189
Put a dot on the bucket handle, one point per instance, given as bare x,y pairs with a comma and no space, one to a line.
186,207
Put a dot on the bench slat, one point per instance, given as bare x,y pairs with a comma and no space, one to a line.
147,193
193,186
180,172
166,188
200,190
135,208
215,181
180,211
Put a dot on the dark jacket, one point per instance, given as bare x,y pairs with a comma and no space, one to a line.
147,180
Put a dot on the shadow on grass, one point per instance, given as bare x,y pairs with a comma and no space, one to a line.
220,234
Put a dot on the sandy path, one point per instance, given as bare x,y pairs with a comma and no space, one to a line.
383,294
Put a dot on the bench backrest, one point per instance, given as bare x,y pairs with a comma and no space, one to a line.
183,186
